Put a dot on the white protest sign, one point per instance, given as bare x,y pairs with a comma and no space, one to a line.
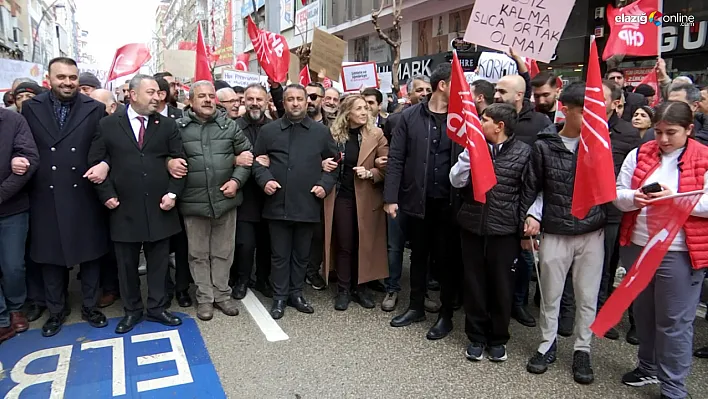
492,66
243,79
356,76
97,71
471,77
11,70
386,82
531,27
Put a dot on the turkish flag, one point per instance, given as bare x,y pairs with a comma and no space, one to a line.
202,69
532,66
629,36
665,218
595,170
305,76
327,83
653,80
272,52
464,128
128,60
242,61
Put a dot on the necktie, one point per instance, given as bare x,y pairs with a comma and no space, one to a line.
141,133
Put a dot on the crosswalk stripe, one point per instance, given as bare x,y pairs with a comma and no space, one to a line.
265,322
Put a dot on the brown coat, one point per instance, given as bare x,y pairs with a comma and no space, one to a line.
373,255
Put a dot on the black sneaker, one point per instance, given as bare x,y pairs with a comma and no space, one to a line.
582,369
638,378
538,364
475,351
316,281
565,327
497,353
632,338
363,298
341,302
612,334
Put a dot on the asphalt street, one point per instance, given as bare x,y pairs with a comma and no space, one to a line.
356,354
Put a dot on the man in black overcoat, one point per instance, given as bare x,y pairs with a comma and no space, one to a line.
67,222
141,196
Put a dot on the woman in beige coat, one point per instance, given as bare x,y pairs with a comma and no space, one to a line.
355,223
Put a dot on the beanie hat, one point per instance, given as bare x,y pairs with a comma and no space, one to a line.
645,90
28,87
89,79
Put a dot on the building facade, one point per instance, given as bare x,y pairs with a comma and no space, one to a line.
13,44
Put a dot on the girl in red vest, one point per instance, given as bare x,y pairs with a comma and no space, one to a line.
665,310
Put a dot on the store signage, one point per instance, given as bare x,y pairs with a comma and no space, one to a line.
680,39
460,44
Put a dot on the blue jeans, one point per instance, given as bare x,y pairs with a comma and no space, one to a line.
13,236
396,243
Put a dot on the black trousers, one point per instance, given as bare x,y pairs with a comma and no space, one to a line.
252,239
109,273
157,256
489,282
346,239
314,263
183,277
56,281
432,237
290,249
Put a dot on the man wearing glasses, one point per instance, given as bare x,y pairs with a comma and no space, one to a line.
315,94
230,101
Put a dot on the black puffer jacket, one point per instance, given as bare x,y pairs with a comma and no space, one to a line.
500,214
624,138
552,170
530,123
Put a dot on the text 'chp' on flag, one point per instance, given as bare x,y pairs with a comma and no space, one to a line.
594,172
128,60
272,51
465,129
631,31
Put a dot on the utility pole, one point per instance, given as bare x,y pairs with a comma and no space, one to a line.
39,27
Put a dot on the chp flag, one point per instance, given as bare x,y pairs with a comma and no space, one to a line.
594,171
272,51
633,30
465,129
665,218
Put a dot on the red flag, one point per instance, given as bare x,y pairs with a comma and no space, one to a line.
532,66
242,61
665,218
202,69
595,171
464,128
653,80
272,52
628,36
305,76
327,83
128,59
191,46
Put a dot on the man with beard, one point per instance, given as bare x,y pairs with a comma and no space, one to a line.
295,185
174,93
632,100
67,222
315,94
230,101
545,94
165,107
141,195
252,235
330,103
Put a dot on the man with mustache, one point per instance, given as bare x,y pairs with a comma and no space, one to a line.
141,196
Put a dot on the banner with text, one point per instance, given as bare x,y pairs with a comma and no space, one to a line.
358,76
243,79
492,66
11,70
533,29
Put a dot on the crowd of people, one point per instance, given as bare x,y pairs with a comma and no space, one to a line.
316,187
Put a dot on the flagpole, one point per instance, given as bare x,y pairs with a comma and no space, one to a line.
658,33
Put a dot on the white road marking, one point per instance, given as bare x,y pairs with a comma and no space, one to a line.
261,316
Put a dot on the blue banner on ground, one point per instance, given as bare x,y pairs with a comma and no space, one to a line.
152,361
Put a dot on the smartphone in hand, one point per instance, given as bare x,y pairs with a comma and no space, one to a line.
652,188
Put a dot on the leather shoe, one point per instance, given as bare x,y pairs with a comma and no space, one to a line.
94,317
701,353
632,338
54,323
183,299
301,305
362,297
128,322
409,317
34,312
165,318
264,288
107,300
612,334
522,315
278,309
18,322
239,292
441,329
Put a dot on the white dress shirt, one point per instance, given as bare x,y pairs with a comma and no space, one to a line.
135,123
165,111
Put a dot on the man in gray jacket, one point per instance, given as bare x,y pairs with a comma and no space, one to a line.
212,193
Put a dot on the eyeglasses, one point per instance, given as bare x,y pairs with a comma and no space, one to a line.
229,101
314,96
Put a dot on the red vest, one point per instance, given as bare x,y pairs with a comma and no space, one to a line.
693,165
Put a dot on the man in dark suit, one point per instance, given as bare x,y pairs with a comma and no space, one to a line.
67,222
141,195
296,185
632,101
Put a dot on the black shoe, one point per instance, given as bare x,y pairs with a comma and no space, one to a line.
264,288
582,369
341,302
376,286
433,285
277,310
301,305
316,281
53,325
638,378
34,312
165,318
632,338
94,317
612,334
409,317
128,322
239,292
475,351
441,329
497,353
565,327
701,353
538,364
522,315
183,299
363,298
537,297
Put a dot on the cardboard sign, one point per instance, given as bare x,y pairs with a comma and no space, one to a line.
294,68
243,79
492,66
180,63
327,52
531,27
358,76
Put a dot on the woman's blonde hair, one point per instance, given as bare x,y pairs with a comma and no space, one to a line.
340,126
